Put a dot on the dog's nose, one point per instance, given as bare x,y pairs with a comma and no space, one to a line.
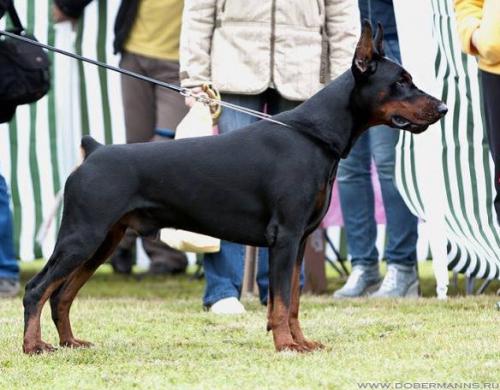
442,109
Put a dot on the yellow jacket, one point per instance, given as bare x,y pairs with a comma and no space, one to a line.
156,29
484,16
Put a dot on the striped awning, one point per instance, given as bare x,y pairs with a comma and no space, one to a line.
445,174
40,147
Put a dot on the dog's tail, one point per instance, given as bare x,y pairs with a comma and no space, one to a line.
89,145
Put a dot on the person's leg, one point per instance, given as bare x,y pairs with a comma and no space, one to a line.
401,228
490,93
9,268
224,269
223,273
170,106
164,259
138,100
357,204
122,259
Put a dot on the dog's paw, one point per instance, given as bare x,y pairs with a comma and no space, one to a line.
75,343
311,345
37,348
294,347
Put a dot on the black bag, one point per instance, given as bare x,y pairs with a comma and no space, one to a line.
24,70
4,4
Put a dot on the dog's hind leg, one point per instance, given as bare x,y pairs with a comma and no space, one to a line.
62,298
293,320
73,248
282,256
84,228
34,300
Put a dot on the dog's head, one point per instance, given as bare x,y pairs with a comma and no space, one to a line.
385,92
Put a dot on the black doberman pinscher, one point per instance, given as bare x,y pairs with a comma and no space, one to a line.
264,185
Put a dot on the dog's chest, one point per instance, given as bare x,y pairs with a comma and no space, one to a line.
323,196
321,202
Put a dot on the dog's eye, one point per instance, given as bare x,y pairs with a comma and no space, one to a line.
401,82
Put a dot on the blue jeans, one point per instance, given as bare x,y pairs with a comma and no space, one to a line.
357,201
224,269
9,268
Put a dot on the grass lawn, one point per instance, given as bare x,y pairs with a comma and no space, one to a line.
152,333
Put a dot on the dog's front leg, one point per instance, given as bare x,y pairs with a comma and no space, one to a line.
282,257
293,321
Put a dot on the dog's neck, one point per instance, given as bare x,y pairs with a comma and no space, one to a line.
330,117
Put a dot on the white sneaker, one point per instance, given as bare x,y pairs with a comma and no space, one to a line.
9,288
400,281
363,280
228,306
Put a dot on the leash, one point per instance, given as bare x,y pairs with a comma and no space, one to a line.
186,92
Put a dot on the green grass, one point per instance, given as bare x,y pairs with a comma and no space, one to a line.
153,333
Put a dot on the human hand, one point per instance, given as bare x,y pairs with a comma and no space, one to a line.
59,16
196,91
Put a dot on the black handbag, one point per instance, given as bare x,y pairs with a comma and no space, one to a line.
4,5
24,70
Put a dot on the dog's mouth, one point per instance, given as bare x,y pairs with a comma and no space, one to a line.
428,115
401,122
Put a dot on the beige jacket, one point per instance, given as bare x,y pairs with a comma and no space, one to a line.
247,46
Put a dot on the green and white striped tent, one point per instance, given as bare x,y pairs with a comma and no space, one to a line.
41,146
444,174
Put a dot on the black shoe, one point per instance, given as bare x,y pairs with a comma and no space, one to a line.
122,261
168,267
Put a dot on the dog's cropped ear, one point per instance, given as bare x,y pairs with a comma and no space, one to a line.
362,62
379,40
